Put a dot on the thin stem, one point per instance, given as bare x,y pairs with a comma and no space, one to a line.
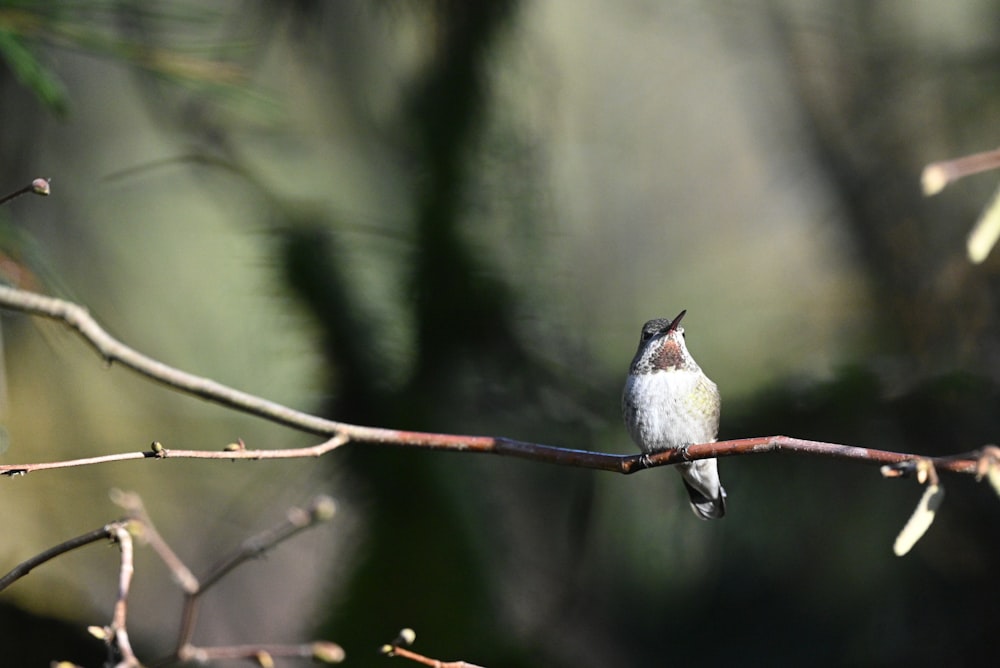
427,661
38,186
938,175
132,503
251,652
967,463
104,533
118,619
296,521
113,350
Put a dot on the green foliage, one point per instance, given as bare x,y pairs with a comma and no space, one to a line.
31,72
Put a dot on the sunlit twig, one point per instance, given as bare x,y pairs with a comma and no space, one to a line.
341,433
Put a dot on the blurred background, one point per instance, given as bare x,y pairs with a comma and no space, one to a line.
455,217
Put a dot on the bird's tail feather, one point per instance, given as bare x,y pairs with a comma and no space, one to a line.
707,496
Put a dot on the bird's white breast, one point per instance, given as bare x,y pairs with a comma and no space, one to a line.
670,409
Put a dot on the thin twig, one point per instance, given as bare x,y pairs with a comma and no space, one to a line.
938,175
297,520
132,503
38,186
118,627
112,350
408,637
115,635
327,652
427,661
967,463
106,532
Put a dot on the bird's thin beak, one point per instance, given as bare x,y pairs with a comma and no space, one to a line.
676,321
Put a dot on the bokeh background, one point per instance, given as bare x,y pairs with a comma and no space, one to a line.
455,216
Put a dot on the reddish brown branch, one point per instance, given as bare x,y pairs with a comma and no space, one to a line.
968,463
407,637
427,661
341,433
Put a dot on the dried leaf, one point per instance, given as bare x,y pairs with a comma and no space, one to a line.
920,521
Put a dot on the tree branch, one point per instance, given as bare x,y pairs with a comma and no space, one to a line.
25,567
115,634
407,637
341,433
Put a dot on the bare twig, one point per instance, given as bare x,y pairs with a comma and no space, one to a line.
116,633
938,175
967,462
326,652
118,628
106,532
297,520
38,186
132,503
427,661
407,637
341,433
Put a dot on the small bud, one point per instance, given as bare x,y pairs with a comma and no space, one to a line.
158,449
298,517
136,529
40,186
934,179
327,652
407,637
99,632
323,508
890,471
264,659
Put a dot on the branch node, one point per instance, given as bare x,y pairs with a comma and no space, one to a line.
922,467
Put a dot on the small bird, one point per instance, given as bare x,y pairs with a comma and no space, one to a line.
670,403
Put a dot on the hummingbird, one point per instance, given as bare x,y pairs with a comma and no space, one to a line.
670,403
